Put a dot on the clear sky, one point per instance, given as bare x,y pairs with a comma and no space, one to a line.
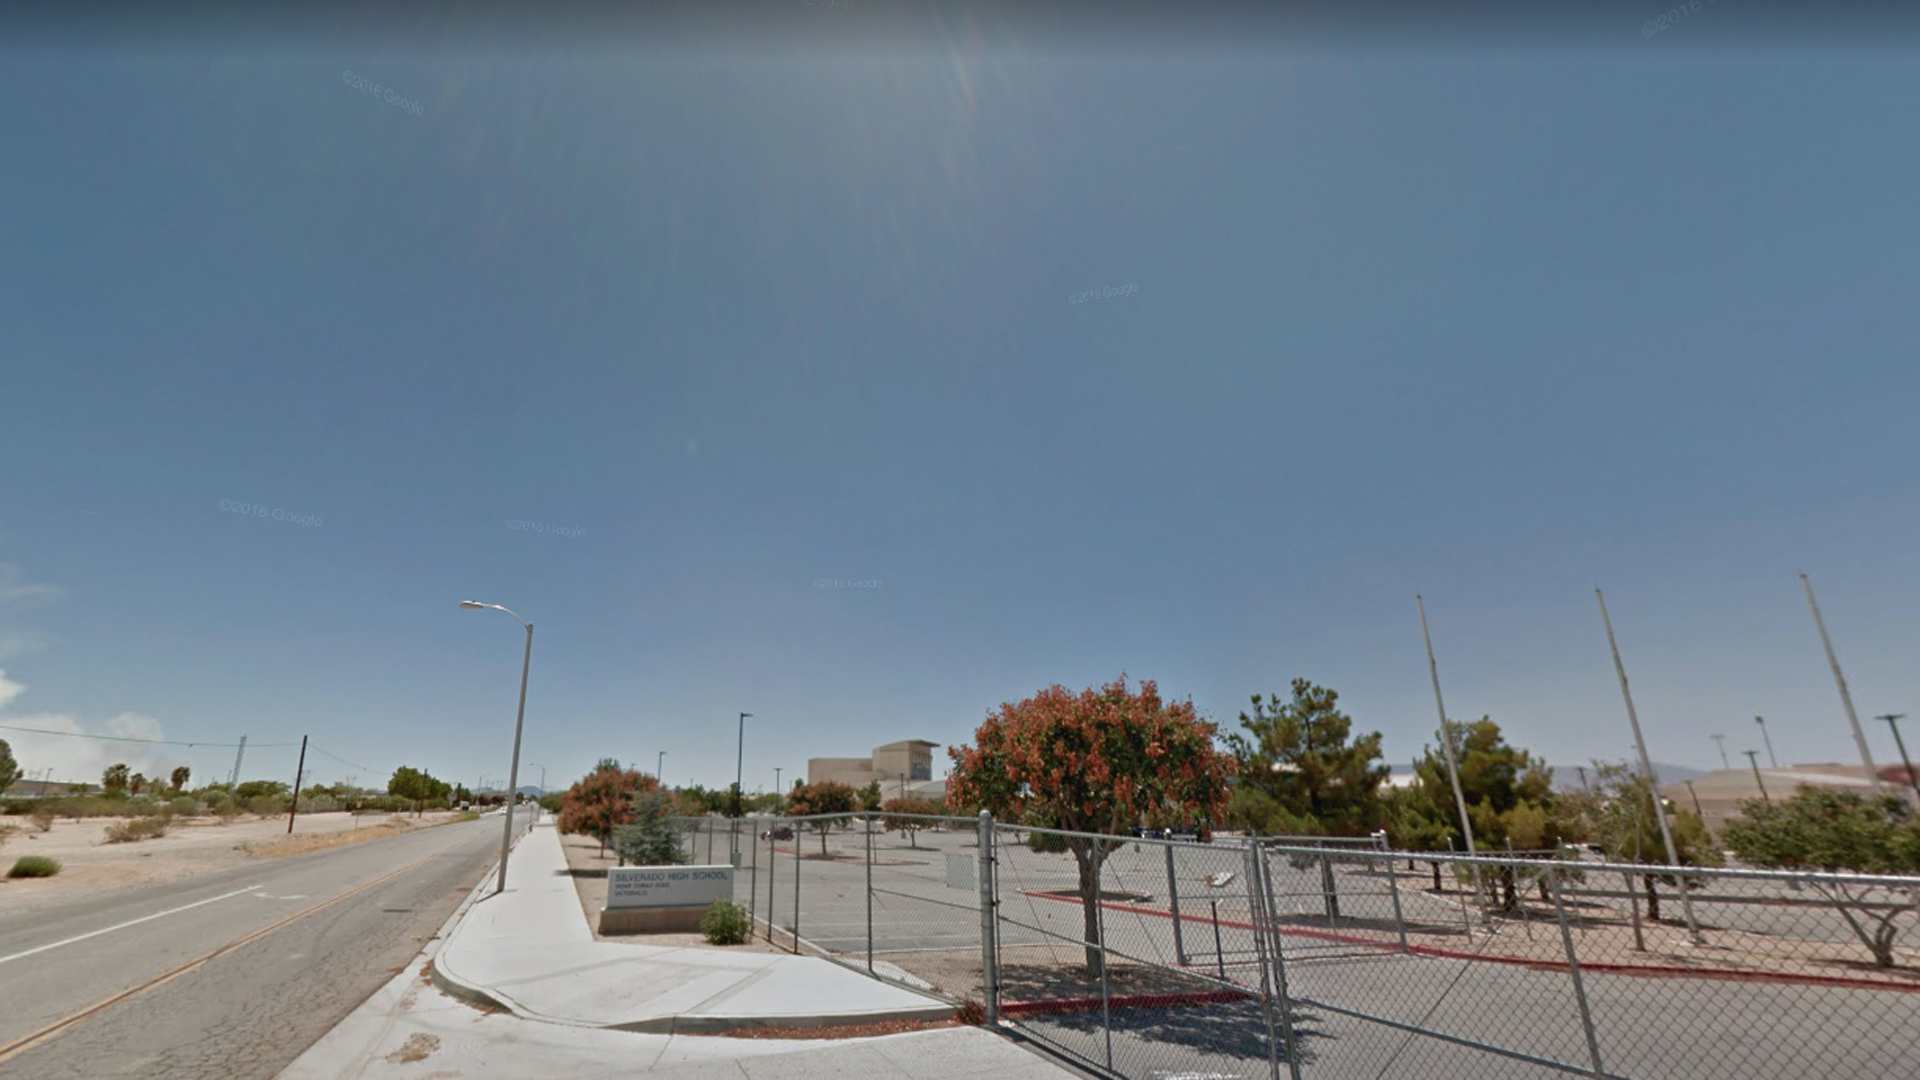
1495,321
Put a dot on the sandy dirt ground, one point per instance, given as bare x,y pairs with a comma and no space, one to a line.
590,879
89,865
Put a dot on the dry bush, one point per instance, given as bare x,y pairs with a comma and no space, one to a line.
42,818
140,828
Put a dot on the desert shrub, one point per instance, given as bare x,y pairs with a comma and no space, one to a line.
226,812
7,829
726,923
42,818
140,828
34,866
318,804
17,806
185,806
266,805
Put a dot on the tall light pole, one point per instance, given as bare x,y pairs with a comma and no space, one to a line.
1893,721
1646,767
513,771
1721,742
543,776
1701,814
1753,759
1846,699
740,757
1772,762
659,766
776,781
1453,768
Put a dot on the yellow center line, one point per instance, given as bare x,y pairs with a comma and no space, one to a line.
27,1042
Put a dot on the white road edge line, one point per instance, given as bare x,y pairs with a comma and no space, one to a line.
124,925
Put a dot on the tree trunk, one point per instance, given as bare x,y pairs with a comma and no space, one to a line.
1653,900
1509,898
1545,898
1090,910
1436,876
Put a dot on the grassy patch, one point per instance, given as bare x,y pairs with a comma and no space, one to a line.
34,866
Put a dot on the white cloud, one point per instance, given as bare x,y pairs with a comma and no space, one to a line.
84,759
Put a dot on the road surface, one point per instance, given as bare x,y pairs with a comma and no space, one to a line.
230,974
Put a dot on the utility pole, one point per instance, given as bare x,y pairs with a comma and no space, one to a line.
297,770
1584,786
1721,742
1772,762
233,781
740,757
1646,766
776,780
659,765
1753,759
1859,736
1893,721
1701,814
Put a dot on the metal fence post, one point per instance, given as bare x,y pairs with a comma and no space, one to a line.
798,847
868,826
753,880
1100,928
1273,973
1332,898
1579,986
1393,886
773,863
1173,903
989,921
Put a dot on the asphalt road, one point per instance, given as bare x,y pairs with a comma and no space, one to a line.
230,974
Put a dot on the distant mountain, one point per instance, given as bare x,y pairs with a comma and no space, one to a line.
1567,777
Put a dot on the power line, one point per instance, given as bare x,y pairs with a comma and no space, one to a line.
363,768
131,739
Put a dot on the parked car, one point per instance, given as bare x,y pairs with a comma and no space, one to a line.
778,832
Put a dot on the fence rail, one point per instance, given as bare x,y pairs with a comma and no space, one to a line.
1151,957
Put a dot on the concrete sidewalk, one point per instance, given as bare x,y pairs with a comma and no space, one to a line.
529,950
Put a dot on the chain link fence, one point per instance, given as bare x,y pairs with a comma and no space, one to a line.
1152,959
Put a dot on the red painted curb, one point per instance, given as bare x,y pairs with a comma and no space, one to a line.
1661,971
1125,1001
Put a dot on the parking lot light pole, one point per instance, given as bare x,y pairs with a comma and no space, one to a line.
1893,721
739,777
1753,759
519,722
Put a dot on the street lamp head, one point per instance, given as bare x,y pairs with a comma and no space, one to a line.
472,604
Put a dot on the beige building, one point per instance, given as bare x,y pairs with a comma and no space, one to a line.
908,763
1720,793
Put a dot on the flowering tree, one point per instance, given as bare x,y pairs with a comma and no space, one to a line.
601,800
826,797
1094,762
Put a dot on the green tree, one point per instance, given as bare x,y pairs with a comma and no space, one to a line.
602,800
1302,755
1823,829
181,774
9,768
114,780
825,797
651,839
407,783
1508,791
1094,762
1618,815
909,825
870,797
1414,823
137,783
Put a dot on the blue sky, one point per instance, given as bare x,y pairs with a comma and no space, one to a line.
1493,325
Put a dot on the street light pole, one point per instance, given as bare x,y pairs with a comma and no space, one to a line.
1721,742
1893,721
1453,767
1646,767
740,757
1840,681
543,776
776,780
1772,762
1753,759
659,767
519,722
